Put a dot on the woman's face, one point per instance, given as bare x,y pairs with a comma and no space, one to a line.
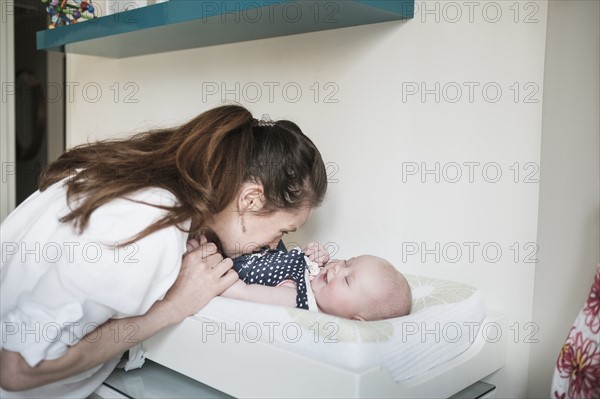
261,230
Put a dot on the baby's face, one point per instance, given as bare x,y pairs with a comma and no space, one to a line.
344,287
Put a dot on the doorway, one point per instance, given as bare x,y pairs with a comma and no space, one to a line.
39,100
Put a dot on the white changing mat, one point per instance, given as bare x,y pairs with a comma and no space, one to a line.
444,322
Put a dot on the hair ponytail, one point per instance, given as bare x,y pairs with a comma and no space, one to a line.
203,163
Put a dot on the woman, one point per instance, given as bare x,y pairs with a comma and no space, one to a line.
105,237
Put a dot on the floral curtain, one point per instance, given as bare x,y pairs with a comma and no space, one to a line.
577,372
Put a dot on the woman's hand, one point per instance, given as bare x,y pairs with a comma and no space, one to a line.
317,253
193,244
204,275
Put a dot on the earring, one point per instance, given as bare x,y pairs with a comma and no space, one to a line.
243,224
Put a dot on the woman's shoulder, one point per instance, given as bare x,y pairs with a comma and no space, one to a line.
140,207
124,217
153,196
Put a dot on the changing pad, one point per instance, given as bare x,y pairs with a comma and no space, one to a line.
443,323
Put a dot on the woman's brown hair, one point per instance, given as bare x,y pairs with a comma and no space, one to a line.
203,162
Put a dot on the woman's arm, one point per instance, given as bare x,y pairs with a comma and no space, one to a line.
106,342
284,295
204,274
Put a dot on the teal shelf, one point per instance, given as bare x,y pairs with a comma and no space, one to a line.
186,24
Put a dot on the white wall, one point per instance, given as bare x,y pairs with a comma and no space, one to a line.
569,225
376,129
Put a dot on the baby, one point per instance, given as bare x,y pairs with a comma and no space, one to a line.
365,287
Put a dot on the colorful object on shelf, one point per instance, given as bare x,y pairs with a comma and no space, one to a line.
68,12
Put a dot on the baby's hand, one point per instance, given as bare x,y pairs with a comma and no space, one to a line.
317,253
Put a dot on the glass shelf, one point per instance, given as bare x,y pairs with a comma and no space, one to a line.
186,24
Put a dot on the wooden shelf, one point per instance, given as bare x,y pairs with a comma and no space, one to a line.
186,24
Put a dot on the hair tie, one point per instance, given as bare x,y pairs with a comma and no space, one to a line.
266,120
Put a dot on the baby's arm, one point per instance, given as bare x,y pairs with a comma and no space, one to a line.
281,295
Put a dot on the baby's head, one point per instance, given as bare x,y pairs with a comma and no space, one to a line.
362,288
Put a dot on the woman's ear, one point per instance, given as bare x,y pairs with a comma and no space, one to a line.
251,197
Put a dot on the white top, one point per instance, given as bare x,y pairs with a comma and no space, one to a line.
56,285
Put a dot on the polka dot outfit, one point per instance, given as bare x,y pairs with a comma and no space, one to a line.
273,267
